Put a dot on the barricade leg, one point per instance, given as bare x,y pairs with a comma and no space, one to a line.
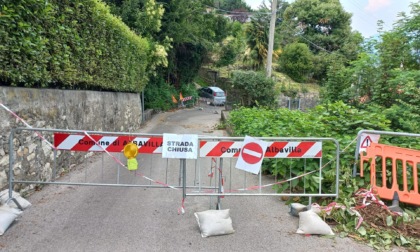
220,183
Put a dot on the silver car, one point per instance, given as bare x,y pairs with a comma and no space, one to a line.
214,95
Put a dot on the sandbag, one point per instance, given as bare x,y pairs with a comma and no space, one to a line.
311,223
296,208
7,216
214,222
4,196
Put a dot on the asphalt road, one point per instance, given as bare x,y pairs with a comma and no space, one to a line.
90,218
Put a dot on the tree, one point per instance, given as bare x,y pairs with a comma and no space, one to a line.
257,37
257,41
232,5
323,22
325,27
296,61
386,75
185,31
410,26
144,17
352,84
228,52
398,52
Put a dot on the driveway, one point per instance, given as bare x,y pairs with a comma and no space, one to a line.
75,218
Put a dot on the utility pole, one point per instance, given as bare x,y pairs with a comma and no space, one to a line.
271,37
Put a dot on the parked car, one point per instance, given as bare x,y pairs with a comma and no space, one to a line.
214,95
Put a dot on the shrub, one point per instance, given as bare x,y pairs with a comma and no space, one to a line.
336,120
296,61
69,44
255,87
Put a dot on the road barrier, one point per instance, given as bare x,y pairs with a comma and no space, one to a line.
211,173
57,163
392,169
229,183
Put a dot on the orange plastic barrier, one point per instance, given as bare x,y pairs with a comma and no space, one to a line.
391,170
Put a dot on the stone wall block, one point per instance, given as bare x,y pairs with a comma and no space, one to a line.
30,157
57,109
4,161
3,177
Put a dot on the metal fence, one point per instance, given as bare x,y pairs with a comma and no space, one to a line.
95,158
222,153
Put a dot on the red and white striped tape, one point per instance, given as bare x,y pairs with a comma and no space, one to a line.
187,98
220,149
181,209
274,149
27,125
146,145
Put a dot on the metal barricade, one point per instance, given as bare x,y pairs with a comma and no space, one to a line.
94,158
230,181
34,160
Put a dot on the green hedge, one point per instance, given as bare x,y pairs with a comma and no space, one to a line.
69,44
336,120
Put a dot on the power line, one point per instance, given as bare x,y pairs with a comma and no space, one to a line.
369,20
269,13
236,12
356,4
309,41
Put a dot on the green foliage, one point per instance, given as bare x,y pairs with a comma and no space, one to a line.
338,86
323,61
181,33
296,61
192,31
291,92
189,90
159,95
403,117
385,75
257,41
323,22
330,120
69,44
336,120
379,238
228,52
142,16
342,122
231,5
255,88
189,59
410,27
324,27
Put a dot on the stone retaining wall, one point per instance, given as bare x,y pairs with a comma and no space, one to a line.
58,109
304,101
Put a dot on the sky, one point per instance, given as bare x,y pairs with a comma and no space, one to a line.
366,13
